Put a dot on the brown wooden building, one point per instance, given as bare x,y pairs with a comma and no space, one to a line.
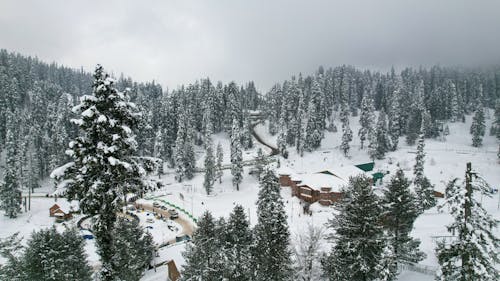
59,213
311,188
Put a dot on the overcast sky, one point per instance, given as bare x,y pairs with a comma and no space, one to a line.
177,42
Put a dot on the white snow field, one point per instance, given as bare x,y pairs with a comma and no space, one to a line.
444,161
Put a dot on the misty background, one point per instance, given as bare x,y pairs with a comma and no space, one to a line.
177,42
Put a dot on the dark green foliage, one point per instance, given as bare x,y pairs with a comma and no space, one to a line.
238,239
210,169
359,238
104,166
133,250
478,127
473,252
236,155
203,253
10,193
271,252
399,214
49,256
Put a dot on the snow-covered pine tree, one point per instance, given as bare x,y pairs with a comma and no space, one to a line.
346,130
399,214
220,158
52,256
238,265
260,162
455,106
359,238
210,170
270,252
302,130
104,165
373,145
159,151
427,126
189,155
281,139
316,117
418,169
133,250
473,254
366,119
416,110
246,138
424,190
236,155
381,141
179,153
10,192
478,127
202,253
394,128
497,119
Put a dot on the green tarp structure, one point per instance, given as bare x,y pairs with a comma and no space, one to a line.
377,176
366,167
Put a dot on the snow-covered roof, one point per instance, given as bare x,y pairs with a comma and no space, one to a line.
284,171
345,172
318,180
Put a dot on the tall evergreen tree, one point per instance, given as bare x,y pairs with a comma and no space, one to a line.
271,253
133,250
49,255
246,138
380,142
220,158
209,179
358,237
366,119
10,192
394,120
159,151
260,162
474,252
477,128
202,253
236,155
238,265
400,212
346,131
423,187
104,165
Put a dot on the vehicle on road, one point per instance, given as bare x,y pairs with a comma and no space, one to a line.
156,204
150,220
173,214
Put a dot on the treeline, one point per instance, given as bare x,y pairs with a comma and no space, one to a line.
36,101
301,109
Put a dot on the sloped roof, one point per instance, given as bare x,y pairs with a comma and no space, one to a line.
319,180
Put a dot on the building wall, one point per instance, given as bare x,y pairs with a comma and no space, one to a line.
310,194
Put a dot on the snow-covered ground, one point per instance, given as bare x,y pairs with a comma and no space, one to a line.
444,160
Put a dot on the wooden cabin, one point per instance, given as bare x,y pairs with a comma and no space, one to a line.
59,213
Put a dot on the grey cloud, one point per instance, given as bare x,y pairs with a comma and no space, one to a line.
177,42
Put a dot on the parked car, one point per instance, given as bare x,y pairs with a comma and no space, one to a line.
183,238
173,214
163,207
156,204
150,220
